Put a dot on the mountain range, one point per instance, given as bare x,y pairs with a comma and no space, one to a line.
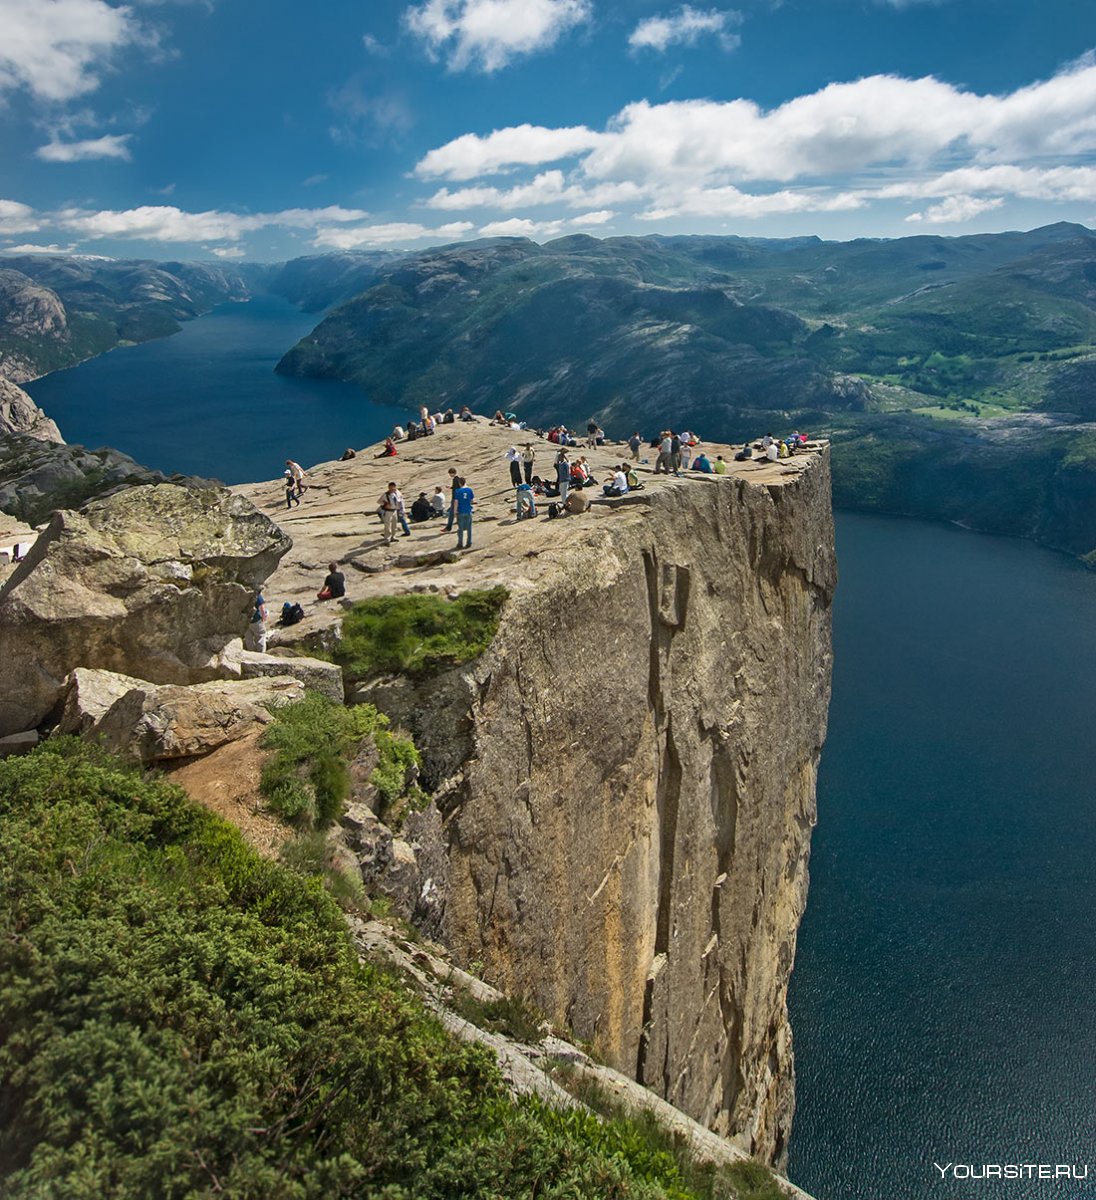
955,375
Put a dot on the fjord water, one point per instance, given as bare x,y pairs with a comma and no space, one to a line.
206,401
942,1000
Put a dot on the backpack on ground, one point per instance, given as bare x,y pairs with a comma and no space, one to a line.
291,613
553,509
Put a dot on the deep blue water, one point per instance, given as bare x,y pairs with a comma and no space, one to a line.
942,999
943,996
206,401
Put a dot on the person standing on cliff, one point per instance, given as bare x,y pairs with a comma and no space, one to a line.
389,513
452,503
297,471
634,444
528,456
514,459
664,460
563,475
463,500
256,627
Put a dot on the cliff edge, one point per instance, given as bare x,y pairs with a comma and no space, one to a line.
625,780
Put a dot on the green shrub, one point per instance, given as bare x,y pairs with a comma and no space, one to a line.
417,634
182,1018
307,780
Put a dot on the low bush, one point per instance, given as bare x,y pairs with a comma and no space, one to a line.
182,1018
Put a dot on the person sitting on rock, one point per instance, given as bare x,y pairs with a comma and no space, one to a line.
719,467
449,417
334,585
745,454
618,485
633,480
498,418
466,414
348,454
438,503
398,433
577,502
526,501
389,450
421,509
703,464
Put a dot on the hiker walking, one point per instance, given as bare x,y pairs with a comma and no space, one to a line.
463,499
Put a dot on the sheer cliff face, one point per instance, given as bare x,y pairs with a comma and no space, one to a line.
629,845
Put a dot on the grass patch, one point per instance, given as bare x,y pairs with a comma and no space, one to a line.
417,634
310,854
511,1016
738,1181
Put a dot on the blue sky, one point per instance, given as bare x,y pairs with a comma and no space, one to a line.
270,129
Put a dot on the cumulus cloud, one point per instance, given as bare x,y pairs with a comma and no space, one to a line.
166,223
111,146
957,208
34,248
601,217
488,34
392,233
228,251
686,27
471,155
57,49
17,218
549,187
842,147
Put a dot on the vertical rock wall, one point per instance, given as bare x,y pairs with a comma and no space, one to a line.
629,842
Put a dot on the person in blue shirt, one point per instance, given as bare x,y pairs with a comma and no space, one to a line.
463,498
702,463
526,502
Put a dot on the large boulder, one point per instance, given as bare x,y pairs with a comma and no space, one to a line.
316,674
154,581
161,723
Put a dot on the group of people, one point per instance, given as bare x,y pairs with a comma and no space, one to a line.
565,488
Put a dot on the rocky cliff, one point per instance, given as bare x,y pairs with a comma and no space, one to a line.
630,840
20,415
625,780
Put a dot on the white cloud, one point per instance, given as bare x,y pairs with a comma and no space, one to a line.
470,155
686,27
521,227
165,223
601,217
17,218
843,147
56,49
228,251
487,34
33,248
109,146
1028,183
353,237
730,202
955,209
548,187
